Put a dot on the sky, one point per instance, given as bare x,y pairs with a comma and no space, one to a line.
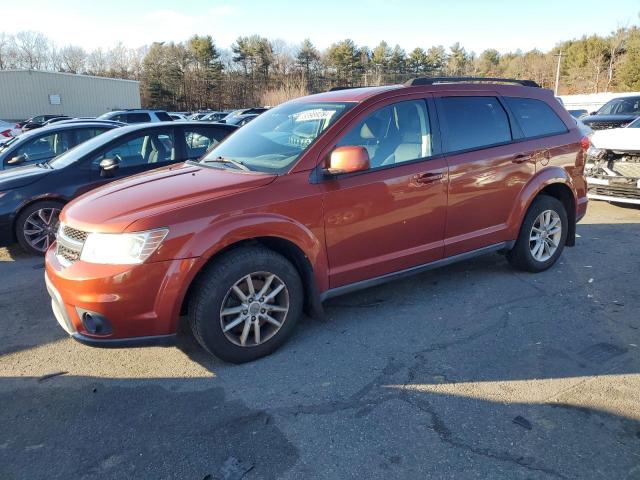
477,25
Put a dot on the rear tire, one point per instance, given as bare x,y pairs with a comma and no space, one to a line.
37,226
246,304
539,243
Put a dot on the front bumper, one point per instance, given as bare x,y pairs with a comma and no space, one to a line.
614,189
140,303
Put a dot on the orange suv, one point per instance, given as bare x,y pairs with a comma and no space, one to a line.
315,198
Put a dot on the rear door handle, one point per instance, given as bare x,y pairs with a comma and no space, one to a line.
521,158
427,178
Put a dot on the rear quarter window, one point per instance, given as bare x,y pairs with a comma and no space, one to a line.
473,122
164,117
535,117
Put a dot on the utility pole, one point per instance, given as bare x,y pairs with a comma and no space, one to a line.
559,55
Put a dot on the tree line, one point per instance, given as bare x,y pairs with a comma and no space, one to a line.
196,74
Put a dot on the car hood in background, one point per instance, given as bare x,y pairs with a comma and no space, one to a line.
113,207
618,139
17,177
608,118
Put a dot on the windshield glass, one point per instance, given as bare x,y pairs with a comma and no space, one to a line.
71,156
274,140
621,106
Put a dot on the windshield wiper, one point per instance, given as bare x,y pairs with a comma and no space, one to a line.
229,161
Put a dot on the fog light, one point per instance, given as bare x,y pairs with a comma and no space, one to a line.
94,323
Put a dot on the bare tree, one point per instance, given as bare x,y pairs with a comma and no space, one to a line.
33,50
73,59
616,44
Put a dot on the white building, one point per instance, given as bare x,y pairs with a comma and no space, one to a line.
25,93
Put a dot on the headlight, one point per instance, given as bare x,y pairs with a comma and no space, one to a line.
122,248
595,152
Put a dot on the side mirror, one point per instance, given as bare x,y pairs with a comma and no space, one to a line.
593,113
347,159
18,159
108,166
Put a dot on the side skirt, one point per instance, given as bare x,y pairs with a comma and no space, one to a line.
372,282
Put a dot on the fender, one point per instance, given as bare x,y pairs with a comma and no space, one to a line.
245,227
537,183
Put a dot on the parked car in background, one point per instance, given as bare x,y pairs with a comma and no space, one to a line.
36,122
578,113
214,117
31,197
8,130
137,116
55,120
45,143
199,115
613,165
241,120
177,116
616,113
234,115
318,197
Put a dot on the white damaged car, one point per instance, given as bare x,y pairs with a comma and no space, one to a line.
613,164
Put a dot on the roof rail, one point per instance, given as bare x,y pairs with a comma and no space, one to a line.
433,80
335,89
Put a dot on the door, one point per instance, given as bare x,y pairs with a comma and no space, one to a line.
392,216
487,170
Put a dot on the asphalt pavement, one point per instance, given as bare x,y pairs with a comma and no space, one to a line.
471,371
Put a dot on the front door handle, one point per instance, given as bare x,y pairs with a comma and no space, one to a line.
427,178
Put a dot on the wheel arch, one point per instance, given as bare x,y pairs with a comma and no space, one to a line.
27,204
554,182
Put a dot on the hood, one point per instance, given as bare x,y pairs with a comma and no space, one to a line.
608,118
115,206
16,177
618,139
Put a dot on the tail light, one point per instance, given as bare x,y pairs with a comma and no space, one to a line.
585,143
6,133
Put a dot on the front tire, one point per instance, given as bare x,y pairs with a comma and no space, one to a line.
246,304
37,226
542,235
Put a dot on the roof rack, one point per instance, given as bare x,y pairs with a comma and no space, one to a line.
433,80
335,89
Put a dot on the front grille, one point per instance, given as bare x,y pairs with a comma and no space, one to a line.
606,125
620,191
69,244
68,254
73,234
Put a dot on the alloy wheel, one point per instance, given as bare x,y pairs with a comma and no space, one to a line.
40,228
545,235
254,309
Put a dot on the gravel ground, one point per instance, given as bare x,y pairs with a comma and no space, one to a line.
471,371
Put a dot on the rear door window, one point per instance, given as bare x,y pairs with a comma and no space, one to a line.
85,134
473,122
138,117
535,117
200,140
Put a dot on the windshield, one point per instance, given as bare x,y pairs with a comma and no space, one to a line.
621,106
274,140
79,151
